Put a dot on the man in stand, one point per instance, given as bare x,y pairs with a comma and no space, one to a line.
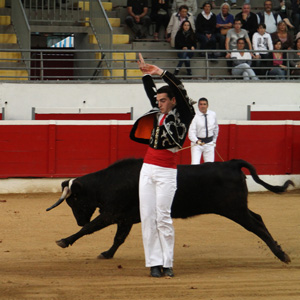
203,133
164,128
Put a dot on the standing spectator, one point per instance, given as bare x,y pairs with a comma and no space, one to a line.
206,28
295,59
295,7
191,4
277,62
185,40
170,117
138,20
234,34
241,62
261,42
203,133
283,35
282,7
248,19
160,15
224,23
175,23
268,17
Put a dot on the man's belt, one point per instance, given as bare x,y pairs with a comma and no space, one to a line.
206,140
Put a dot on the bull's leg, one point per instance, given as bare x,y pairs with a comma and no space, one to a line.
100,222
254,223
121,234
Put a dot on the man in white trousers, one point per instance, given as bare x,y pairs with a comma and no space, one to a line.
164,128
203,133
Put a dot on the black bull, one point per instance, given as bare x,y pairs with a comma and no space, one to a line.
218,188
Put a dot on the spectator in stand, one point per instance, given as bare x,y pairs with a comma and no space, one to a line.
277,62
295,59
282,7
206,28
160,15
233,3
268,17
185,40
261,42
138,20
241,62
248,19
224,23
175,23
295,7
283,35
191,4
234,34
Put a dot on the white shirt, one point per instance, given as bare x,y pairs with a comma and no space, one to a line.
197,127
270,22
262,42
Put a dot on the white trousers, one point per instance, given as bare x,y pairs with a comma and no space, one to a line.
208,151
157,187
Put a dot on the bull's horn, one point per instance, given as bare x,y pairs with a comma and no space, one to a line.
61,199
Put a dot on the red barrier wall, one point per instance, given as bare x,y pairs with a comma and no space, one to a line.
96,116
71,149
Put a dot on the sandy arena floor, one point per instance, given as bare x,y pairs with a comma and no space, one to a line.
214,257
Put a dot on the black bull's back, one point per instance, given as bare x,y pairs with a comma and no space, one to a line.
218,188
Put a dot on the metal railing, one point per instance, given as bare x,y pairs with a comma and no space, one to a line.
61,65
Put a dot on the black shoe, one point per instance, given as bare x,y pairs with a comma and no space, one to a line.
176,72
155,271
168,272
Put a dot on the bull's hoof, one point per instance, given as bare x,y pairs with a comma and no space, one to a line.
62,243
104,255
286,259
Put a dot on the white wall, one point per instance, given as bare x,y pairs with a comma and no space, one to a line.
228,99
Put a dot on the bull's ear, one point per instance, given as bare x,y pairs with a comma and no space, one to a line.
76,187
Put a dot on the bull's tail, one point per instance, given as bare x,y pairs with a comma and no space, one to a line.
273,188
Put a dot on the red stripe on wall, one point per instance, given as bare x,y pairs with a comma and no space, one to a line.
275,115
58,150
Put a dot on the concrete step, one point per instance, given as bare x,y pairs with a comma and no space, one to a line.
5,20
10,38
115,22
62,29
117,39
122,46
133,73
11,56
85,5
9,29
2,3
13,75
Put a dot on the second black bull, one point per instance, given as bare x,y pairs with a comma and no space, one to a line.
219,188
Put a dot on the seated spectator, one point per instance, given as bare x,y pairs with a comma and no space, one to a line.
277,62
224,23
241,62
261,42
159,15
282,34
271,19
175,23
233,3
191,4
185,40
248,19
295,7
138,20
282,7
234,34
295,59
206,28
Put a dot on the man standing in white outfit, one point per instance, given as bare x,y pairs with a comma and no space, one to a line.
203,133
164,128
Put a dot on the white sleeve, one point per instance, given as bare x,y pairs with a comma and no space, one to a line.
193,131
254,43
216,130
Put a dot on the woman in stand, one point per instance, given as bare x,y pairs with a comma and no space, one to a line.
241,62
185,40
277,62
159,15
282,34
295,60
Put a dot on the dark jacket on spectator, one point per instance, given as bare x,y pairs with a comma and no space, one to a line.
205,26
285,45
250,24
183,39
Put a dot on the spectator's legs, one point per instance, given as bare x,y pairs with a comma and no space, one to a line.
133,26
261,64
188,62
247,72
278,73
145,22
